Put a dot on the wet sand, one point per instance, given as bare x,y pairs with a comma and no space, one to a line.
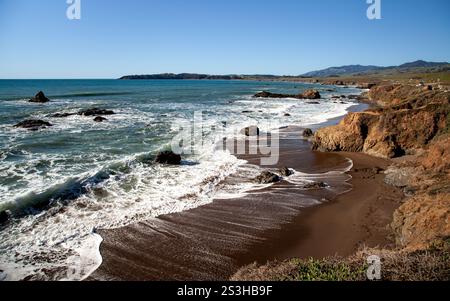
212,242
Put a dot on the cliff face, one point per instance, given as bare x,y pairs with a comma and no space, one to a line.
412,119
409,120
425,217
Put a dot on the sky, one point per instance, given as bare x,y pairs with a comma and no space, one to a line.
283,37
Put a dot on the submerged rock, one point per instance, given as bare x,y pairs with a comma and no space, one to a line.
100,119
308,94
168,157
39,98
95,112
250,131
62,115
315,185
286,172
307,133
267,177
287,115
33,124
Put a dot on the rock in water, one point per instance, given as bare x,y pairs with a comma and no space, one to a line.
95,112
33,124
250,131
4,217
307,133
315,185
286,172
311,94
168,157
62,115
267,178
265,94
39,98
100,119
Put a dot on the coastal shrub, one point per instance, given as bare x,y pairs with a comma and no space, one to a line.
432,264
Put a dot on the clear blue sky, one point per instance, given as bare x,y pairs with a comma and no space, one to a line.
115,38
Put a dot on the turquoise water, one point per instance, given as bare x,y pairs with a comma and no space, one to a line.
61,183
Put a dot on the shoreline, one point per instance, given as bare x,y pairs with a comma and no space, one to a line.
151,250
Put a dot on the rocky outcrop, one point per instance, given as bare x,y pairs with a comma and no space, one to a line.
311,94
308,133
308,94
33,124
100,119
251,131
168,157
267,177
39,98
390,131
424,216
421,220
95,112
286,172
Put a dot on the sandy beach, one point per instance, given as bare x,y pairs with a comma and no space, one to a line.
212,242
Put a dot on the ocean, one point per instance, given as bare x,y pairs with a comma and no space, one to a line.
62,183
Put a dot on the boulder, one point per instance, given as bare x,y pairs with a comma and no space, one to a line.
287,115
307,133
33,124
315,185
39,98
286,172
313,103
95,112
267,177
168,157
100,119
250,131
311,94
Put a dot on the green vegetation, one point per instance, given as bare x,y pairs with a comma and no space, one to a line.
432,264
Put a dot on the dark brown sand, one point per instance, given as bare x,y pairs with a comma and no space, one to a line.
212,242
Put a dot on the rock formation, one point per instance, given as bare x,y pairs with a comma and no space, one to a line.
39,98
168,157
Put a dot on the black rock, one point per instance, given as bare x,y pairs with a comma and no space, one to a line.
4,217
95,112
33,124
267,177
62,115
287,115
315,185
39,98
313,103
308,133
286,172
100,119
250,131
168,157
